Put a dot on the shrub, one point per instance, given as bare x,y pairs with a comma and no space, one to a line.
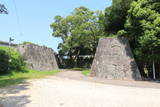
15,62
26,43
4,62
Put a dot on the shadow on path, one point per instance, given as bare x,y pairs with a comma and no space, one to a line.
9,96
14,101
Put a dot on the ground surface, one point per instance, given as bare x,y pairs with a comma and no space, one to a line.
71,89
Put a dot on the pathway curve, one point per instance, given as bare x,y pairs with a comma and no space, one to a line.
77,75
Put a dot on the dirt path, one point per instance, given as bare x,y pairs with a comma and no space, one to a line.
64,91
77,75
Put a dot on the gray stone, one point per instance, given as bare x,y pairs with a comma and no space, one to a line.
38,57
114,60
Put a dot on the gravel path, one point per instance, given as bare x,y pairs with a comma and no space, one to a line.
77,75
64,91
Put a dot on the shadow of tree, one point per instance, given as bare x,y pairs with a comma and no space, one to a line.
128,51
7,99
11,81
14,101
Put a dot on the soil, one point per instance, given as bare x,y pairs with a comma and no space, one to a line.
72,89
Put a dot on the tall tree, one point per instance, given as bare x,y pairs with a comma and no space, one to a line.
143,30
115,15
79,32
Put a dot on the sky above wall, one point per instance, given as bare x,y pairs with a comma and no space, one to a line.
29,20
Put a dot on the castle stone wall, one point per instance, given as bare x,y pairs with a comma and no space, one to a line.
38,57
114,60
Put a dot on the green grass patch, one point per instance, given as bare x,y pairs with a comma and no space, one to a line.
86,72
20,77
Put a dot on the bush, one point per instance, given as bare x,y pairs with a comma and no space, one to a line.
4,62
17,64
14,63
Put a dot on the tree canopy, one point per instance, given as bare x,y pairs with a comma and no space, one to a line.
79,31
139,21
143,28
115,15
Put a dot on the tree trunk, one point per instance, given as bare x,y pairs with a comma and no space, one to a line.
76,58
153,67
154,72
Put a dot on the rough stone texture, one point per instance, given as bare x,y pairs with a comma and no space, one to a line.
38,57
114,60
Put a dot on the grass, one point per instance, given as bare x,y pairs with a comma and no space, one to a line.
20,77
86,72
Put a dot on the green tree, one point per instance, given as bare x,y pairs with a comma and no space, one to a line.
14,62
79,32
143,30
4,63
115,15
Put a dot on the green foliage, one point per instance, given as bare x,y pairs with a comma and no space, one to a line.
86,72
115,16
15,62
79,31
139,21
20,77
4,62
26,42
143,29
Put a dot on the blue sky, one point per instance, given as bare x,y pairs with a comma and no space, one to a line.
35,17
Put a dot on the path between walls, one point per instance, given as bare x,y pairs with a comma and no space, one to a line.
72,89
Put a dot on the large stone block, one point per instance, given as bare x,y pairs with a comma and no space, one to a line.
114,60
38,57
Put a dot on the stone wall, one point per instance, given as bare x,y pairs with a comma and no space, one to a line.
38,57
114,60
